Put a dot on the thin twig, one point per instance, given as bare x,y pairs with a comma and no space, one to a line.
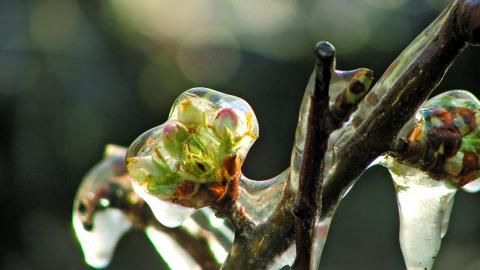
319,127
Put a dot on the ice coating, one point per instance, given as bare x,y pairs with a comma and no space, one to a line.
175,256
472,187
193,159
97,219
424,206
106,207
321,233
347,88
443,138
169,214
99,244
286,258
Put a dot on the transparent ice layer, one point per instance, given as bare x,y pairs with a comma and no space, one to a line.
424,206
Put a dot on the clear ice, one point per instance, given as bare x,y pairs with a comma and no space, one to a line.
169,214
106,207
424,206
99,244
187,162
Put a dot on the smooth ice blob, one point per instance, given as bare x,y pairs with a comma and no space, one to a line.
193,160
99,243
169,214
424,206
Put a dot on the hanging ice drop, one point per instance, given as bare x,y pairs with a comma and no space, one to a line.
98,221
424,206
169,214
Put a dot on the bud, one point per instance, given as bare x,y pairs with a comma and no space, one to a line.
229,123
444,138
174,135
191,111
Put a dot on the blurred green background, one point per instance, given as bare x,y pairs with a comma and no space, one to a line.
76,75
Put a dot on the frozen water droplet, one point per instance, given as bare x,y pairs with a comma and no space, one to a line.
169,214
424,206
99,244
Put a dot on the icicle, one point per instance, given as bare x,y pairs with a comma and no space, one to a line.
99,244
97,221
424,206
439,152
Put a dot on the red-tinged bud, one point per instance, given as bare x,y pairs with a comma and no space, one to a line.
228,121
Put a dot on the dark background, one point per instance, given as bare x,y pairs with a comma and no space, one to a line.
76,75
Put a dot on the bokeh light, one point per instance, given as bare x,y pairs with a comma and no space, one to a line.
54,23
209,56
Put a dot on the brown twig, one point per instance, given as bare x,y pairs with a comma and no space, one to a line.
319,127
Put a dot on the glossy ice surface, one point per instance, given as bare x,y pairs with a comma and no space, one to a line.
444,138
106,207
191,158
98,221
442,149
424,206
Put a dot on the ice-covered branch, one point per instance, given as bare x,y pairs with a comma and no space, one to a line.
397,95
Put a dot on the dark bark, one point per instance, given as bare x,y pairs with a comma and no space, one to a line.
320,125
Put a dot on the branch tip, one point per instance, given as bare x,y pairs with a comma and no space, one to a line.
324,51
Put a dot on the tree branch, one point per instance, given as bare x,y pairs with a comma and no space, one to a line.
400,91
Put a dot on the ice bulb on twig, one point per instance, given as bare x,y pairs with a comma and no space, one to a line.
106,207
438,153
193,160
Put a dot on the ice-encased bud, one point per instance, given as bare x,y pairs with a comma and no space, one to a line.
229,123
175,135
190,160
443,138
